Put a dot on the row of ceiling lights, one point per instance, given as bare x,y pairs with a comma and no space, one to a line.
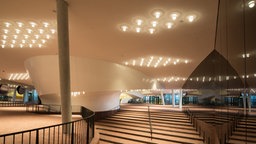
155,61
18,76
158,20
77,93
26,34
219,78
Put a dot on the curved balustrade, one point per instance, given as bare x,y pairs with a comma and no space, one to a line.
75,132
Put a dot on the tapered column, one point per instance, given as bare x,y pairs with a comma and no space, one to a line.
64,66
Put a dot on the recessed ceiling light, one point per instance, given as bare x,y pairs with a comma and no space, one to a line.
7,24
155,61
20,24
23,34
151,30
169,25
191,18
124,28
138,29
139,22
174,15
154,23
157,14
18,76
159,19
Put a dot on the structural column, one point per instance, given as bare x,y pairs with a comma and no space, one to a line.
244,102
64,64
173,98
249,101
180,102
162,96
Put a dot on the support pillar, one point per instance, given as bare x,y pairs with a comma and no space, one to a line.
173,98
244,102
64,64
180,102
249,102
162,96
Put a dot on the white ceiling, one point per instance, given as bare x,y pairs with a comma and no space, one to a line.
94,33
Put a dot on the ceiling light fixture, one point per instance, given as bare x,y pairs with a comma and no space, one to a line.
139,22
175,15
138,29
251,4
191,18
22,34
169,25
18,76
167,21
151,30
156,61
154,23
124,28
157,14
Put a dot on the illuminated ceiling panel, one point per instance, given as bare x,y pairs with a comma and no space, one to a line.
26,34
155,61
158,20
18,76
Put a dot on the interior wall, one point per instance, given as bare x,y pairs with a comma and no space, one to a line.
98,84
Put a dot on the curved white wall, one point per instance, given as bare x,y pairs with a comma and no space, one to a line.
100,81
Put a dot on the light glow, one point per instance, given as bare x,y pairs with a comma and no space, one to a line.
154,61
124,28
169,25
175,15
161,21
19,76
251,4
157,14
191,18
139,22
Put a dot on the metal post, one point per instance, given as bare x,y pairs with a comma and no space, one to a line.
64,64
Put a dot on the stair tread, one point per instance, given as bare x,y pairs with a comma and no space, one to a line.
142,131
146,137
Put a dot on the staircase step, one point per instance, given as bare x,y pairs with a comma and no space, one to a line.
146,136
164,129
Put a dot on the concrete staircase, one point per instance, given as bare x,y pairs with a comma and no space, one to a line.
131,126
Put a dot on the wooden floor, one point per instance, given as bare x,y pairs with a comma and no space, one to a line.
14,119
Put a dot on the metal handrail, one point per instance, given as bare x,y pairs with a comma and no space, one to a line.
150,125
75,135
12,104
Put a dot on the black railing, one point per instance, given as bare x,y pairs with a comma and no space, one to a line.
75,132
211,134
12,104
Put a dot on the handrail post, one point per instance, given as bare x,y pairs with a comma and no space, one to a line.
72,133
37,136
